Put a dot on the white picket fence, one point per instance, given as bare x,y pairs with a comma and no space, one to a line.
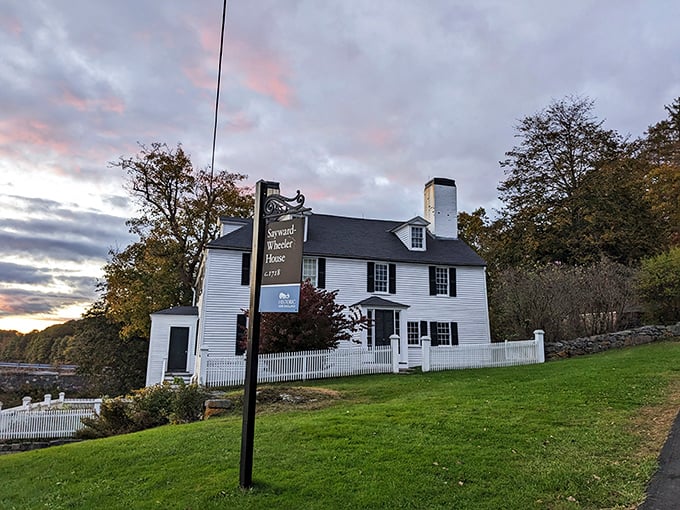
49,419
298,366
217,371
505,354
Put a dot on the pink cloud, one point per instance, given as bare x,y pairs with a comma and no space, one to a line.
262,72
11,25
108,104
258,70
34,133
378,137
198,74
238,122
266,77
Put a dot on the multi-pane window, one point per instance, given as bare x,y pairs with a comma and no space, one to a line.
397,323
442,281
381,277
413,333
417,237
444,333
309,270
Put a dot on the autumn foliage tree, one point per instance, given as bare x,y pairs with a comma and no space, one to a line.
661,151
559,148
179,207
320,323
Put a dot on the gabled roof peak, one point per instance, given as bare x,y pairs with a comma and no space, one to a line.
416,221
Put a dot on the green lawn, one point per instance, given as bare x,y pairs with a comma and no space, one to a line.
567,434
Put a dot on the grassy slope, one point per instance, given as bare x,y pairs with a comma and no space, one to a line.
560,435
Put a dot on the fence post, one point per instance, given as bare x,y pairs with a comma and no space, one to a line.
425,343
26,402
540,348
164,369
62,396
203,366
394,343
98,406
48,400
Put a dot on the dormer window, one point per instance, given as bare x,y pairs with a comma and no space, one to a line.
417,238
412,234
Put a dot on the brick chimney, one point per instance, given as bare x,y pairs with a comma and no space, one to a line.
441,207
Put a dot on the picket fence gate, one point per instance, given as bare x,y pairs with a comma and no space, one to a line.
49,419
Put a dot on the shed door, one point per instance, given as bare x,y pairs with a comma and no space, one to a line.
179,344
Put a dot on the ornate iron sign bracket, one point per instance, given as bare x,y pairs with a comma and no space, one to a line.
276,206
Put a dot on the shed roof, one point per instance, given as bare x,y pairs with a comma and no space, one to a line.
178,310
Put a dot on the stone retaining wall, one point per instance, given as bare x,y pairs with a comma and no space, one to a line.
12,380
599,343
24,446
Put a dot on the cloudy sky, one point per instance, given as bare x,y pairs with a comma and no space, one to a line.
356,103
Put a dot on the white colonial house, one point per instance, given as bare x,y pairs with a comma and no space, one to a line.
411,278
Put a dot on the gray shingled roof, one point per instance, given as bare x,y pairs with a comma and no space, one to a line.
178,310
358,238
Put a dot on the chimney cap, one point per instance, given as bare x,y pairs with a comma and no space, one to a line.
441,181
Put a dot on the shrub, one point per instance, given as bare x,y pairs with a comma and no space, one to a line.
320,323
113,418
146,408
564,301
659,286
187,403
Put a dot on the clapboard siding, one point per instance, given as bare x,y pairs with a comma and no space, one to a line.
222,299
159,343
469,307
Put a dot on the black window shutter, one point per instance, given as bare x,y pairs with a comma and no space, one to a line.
370,276
454,333
423,328
245,269
433,281
241,324
393,279
433,333
321,277
452,281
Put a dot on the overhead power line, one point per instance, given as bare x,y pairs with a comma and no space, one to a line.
217,95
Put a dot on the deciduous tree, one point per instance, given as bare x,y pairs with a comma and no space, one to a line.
112,364
559,147
179,208
661,150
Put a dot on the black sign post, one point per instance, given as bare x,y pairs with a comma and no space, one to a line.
267,207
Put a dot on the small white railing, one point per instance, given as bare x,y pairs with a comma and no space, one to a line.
299,366
49,419
446,357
